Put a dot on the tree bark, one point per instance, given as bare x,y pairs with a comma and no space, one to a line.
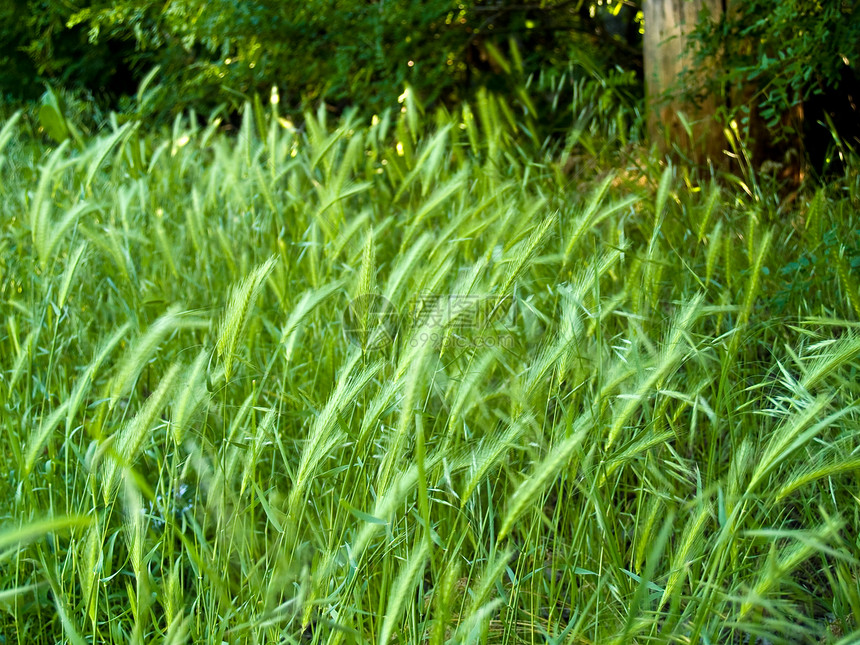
667,57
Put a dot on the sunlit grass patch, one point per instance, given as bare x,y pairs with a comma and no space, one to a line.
301,384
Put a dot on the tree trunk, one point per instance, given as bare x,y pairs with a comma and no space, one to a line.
668,24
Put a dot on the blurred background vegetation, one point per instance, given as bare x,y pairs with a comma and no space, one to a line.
768,60
344,53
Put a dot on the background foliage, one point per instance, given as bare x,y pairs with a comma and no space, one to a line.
356,53
770,57
766,57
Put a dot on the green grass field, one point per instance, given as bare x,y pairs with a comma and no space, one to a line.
606,404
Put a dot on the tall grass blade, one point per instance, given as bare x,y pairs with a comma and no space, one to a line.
325,432
403,587
543,473
129,440
6,134
242,299
140,352
26,533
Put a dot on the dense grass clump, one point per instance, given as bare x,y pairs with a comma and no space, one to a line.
618,406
